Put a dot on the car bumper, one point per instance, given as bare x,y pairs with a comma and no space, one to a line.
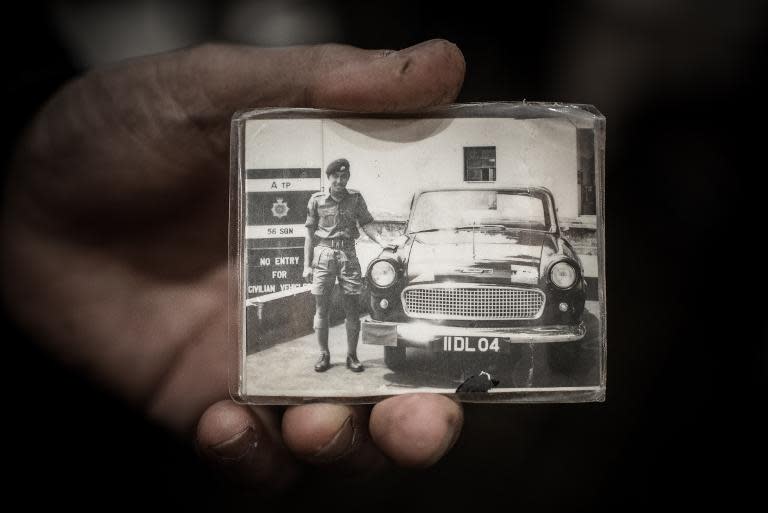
423,335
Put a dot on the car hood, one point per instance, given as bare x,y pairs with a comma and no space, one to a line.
499,257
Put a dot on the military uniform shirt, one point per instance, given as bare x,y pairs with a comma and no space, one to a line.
331,219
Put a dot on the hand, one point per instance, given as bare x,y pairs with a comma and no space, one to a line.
388,245
115,243
307,274
381,242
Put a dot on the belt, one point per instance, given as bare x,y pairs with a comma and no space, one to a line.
337,243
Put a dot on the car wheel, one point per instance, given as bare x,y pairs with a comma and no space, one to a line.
394,357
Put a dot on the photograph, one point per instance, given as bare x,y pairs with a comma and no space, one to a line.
454,252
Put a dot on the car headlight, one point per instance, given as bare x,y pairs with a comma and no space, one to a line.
383,273
563,275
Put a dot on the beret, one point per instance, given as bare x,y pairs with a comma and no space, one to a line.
337,166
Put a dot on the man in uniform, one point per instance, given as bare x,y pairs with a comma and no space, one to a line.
332,219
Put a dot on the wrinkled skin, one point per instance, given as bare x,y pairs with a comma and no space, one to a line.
115,244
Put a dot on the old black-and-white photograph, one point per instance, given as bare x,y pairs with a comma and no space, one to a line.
450,254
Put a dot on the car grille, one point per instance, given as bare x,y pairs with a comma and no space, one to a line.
472,302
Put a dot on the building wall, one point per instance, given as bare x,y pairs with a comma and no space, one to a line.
284,143
387,165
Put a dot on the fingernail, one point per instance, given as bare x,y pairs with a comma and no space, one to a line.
236,448
343,442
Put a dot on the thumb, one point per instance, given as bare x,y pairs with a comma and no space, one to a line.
204,85
213,81
228,78
153,121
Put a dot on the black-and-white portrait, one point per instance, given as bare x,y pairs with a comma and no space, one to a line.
459,251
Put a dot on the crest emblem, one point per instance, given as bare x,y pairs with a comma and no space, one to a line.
280,208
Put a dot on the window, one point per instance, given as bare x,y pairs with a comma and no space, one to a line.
480,163
436,210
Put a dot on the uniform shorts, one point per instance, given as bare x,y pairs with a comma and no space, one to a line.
328,264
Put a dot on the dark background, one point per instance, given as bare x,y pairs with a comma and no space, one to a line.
682,87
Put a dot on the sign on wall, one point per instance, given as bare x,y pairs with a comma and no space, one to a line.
274,232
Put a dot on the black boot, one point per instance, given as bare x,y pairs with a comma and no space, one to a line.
324,363
354,364
351,304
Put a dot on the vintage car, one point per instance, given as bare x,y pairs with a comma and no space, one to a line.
476,271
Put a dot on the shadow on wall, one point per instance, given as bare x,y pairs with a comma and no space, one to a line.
397,130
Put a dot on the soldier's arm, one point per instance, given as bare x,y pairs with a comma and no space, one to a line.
370,231
365,219
308,248
311,225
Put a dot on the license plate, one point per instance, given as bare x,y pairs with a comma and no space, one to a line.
456,344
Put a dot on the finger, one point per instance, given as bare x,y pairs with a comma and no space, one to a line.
142,127
416,430
327,76
211,82
203,86
332,435
244,444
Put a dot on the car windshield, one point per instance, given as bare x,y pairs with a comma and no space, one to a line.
445,210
